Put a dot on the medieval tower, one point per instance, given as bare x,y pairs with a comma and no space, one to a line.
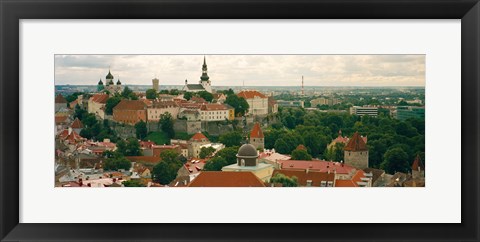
356,152
257,138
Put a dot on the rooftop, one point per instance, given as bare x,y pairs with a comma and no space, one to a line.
226,179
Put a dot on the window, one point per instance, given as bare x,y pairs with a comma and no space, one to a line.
323,183
330,184
309,183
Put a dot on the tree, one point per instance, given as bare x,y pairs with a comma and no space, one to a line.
229,154
151,94
238,103
205,95
166,171
133,183
215,164
111,103
282,147
187,95
206,152
284,180
299,154
230,139
166,124
395,160
335,153
141,129
129,148
116,163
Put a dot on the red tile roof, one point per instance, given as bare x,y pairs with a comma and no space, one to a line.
164,104
418,163
352,182
251,94
356,143
99,98
226,179
130,105
197,100
256,131
60,99
199,137
61,119
213,107
315,165
77,124
72,136
303,176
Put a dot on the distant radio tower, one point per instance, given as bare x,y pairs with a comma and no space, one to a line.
303,92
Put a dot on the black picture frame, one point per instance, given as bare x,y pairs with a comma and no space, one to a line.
12,11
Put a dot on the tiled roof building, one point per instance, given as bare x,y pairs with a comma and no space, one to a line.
356,152
226,179
130,112
257,137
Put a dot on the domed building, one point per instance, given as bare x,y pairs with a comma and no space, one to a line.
110,85
247,160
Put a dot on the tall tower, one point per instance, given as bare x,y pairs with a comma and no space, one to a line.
257,137
155,84
418,168
356,152
205,79
109,78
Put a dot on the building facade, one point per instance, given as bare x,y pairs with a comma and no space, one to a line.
406,112
360,111
96,104
130,112
216,112
257,102
155,111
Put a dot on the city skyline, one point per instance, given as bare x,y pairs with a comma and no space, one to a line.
248,70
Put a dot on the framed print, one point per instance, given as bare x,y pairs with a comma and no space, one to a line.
239,120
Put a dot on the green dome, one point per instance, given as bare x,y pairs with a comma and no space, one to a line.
109,76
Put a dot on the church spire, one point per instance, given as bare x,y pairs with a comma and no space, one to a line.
204,76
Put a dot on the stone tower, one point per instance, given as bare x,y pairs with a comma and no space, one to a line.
205,79
155,84
356,152
256,137
418,168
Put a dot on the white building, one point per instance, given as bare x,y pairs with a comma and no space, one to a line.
204,83
96,104
216,112
360,111
258,102
155,111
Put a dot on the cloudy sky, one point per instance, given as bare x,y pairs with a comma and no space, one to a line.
253,70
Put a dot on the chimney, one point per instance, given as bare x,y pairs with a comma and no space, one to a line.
307,170
328,171
69,130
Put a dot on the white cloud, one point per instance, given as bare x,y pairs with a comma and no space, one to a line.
254,70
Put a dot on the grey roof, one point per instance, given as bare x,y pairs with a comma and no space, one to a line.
247,150
195,87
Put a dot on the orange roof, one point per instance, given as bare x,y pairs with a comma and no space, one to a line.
226,179
99,98
256,131
60,99
303,176
418,163
77,124
356,143
352,182
197,100
251,94
130,105
73,103
61,119
72,136
198,137
213,106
